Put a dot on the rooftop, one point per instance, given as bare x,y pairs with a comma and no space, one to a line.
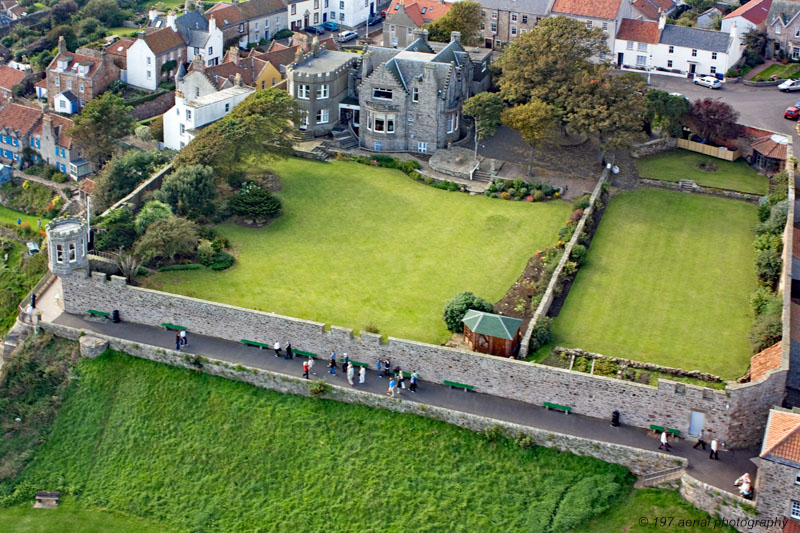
782,438
700,39
219,96
499,326
755,12
640,31
19,118
326,61
598,9
10,76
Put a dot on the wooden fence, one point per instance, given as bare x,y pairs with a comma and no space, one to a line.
720,152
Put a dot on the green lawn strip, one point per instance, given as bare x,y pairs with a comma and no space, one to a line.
781,71
202,453
359,244
682,164
667,281
653,504
9,216
71,518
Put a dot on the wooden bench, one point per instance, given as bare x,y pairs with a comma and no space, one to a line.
304,354
454,385
172,327
674,432
47,500
355,363
557,407
256,344
102,314
660,429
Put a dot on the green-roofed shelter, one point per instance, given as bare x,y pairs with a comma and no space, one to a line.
493,334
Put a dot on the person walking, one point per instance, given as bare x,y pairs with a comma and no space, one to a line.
664,442
700,441
362,375
351,373
311,365
401,380
378,366
29,313
33,300
178,342
413,382
289,352
305,369
387,368
332,366
277,348
184,340
345,362
714,450
391,390
333,357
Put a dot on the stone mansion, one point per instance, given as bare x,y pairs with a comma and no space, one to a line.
393,100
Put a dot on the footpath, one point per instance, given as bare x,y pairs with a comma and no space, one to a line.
720,474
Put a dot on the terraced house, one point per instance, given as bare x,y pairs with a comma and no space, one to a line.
504,20
405,16
783,29
75,78
154,56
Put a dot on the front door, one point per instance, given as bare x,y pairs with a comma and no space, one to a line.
696,421
620,58
488,43
324,16
692,68
372,8
305,20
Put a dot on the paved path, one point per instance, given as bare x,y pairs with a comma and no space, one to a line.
720,473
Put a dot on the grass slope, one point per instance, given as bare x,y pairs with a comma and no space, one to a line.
206,454
682,164
70,518
359,244
667,281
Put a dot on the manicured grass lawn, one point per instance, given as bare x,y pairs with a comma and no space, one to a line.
359,244
668,281
682,164
9,216
781,71
202,453
70,518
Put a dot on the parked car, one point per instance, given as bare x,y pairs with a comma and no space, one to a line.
33,248
792,112
790,85
331,25
708,81
347,36
374,19
316,30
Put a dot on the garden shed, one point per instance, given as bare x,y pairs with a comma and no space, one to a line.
493,334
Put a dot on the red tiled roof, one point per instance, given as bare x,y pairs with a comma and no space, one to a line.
782,438
764,361
249,69
19,118
281,57
755,12
275,46
666,5
600,9
120,46
61,127
74,60
647,8
640,31
163,40
769,148
87,186
226,16
10,77
433,10
41,83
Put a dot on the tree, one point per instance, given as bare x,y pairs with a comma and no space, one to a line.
535,121
714,119
152,211
168,238
486,109
107,11
62,11
102,122
755,46
115,231
189,191
252,201
464,17
263,125
544,62
122,174
456,308
665,111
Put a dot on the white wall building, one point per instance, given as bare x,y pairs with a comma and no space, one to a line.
197,104
749,16
304,13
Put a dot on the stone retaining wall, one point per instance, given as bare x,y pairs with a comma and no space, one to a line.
763,83
665,144
734,510
700,189
735,417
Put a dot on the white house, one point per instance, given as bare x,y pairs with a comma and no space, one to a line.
198,103
304,13
749,16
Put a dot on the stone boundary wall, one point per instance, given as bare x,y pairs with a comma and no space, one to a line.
735,510
700,189
763,83
736,416
638,461
656,146
549,293
135,196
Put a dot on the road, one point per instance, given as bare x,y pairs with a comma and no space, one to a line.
761,107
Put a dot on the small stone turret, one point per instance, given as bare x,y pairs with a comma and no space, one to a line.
67,246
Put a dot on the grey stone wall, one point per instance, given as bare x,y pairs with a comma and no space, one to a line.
656,146
775,488
639,461
700,189
668,404
735,511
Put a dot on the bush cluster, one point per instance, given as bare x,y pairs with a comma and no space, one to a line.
456,308
409,166
521,190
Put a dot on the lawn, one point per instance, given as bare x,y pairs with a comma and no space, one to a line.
201,453
667,281
359,244
781,71
9,216
70,518
682,164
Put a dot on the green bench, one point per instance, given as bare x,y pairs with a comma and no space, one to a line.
661,429
256,344
172,327
102,314
557,407
355,363
304,354
454,385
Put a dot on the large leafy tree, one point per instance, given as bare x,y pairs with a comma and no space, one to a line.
168,238
536,122
464,17
714,119
264,124
486,108
190,191
456,308
665,111
102,122
122,174
152,211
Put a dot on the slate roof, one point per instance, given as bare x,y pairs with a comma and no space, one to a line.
639,31
599,9
710,40
278,58
163,40
19,118
257,8
782,438
533,7
499,326
190,22
69,96
755,12
10,77
785,10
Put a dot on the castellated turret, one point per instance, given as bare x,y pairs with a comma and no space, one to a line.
67,248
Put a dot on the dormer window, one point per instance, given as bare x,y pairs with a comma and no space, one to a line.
382,94
62,64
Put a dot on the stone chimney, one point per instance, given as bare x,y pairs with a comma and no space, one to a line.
152,14
198,63
234,55
421,34
455,36
47,126
62,45
298,55
141,33
315,46
237,80
662,20
171,20
198,6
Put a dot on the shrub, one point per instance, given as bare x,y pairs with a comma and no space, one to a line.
768,267
222,261
565,233
283,34
578,254
542,332
143,133
767,330
768,241
456,308
505,195
538,195
206,252
117,231
582,202
763,299
523,191
254,201
512,191
151,212
318,387
763,209
777,219
190,266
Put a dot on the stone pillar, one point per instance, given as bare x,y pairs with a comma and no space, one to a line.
91,347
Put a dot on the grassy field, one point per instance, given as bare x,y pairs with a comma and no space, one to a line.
359,244
9,216
781,71
667,281
682,164
70,518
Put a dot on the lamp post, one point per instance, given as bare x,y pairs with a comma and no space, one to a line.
649,67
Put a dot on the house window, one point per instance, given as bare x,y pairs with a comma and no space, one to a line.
629,45
341,16
183,129
58,81
210,51
196,51
322,116
605,26
325,4
382,94
188,114
713,55
494,27
316,4
73,255
642,47
713,70
241,28
391,27
227,107
422,147
197,92
671,49
333,15
777,30
148,60
83,102
316,18
82,86
483,25
149,75
588,24
694,52
322,92
267,25
494,15
60,259
641,61
513,17
450,123
797,479
294,9
303,91
62,104
378,146
797,33
524,19
513,30
69,85
415,94
669,63
264,84
341,5
795,509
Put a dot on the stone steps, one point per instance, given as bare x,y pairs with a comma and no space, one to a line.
482,175
687,185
